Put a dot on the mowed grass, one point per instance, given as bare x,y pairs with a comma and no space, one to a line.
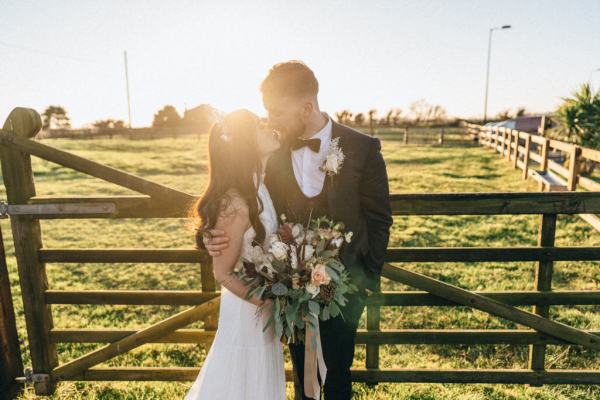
180,163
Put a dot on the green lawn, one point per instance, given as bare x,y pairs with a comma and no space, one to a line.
181,163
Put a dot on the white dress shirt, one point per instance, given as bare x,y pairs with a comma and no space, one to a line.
306,163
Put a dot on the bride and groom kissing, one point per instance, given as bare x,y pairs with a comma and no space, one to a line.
259,170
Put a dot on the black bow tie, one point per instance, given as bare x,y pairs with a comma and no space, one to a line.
313,144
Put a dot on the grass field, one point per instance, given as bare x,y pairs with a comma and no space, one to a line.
455,167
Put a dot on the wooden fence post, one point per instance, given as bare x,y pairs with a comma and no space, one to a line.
573,167
406,135
508,142
516,149
373,324
11,364
503,146
526,156
544,163
209,285
495,134
542,127
543,278
441,139
20,187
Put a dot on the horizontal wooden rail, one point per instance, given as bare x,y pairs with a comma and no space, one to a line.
383,337
480,254
589,184
133,206
590,154
514,298
131,297
495,203
384,298
396,254
507,376
124,255
402,204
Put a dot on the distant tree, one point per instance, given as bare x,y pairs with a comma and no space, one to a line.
109,124
359,119
504,114
344,116
55,117
167,117
396,116
423,113
437,114
372,120
520,112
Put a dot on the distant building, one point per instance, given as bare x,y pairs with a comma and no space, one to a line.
528,123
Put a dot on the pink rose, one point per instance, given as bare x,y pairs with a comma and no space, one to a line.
319,275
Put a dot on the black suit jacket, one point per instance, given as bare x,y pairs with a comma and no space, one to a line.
358,196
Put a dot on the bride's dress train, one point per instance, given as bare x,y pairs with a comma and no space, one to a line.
243,362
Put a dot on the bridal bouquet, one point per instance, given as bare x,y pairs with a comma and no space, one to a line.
301,273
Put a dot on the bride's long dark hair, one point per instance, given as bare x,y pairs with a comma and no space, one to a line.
234,162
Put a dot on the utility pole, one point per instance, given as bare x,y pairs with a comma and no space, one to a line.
127,86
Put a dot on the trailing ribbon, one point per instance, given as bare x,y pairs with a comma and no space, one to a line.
314,363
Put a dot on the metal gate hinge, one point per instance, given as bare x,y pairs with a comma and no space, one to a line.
30,377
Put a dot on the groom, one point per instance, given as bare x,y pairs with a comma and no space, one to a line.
357,195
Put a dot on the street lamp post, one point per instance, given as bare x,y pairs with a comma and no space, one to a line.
487,74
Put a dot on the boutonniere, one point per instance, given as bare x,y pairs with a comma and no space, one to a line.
332,164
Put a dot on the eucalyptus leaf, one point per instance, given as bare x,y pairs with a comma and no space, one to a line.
313,307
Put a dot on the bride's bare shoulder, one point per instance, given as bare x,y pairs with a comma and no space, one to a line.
233,205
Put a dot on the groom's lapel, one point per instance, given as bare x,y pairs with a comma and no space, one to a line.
334,182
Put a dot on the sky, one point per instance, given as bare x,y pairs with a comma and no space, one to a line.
366,54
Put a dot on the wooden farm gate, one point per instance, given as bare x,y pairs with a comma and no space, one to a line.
26,209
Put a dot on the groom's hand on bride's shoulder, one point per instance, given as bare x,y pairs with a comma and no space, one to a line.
215,240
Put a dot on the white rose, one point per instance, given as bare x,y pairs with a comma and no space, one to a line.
300,238
338,242
272,238
256,254
331,164
312,289
349,237
309,250
279,250
297,230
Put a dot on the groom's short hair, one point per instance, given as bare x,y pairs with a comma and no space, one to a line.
290,79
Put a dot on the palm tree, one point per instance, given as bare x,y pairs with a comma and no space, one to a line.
579,121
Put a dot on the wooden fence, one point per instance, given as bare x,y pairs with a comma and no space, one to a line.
26,209
531,153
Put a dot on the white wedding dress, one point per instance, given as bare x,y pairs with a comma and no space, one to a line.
243,362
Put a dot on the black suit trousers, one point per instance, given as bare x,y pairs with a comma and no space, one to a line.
337,340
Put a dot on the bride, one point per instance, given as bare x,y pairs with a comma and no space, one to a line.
243,362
